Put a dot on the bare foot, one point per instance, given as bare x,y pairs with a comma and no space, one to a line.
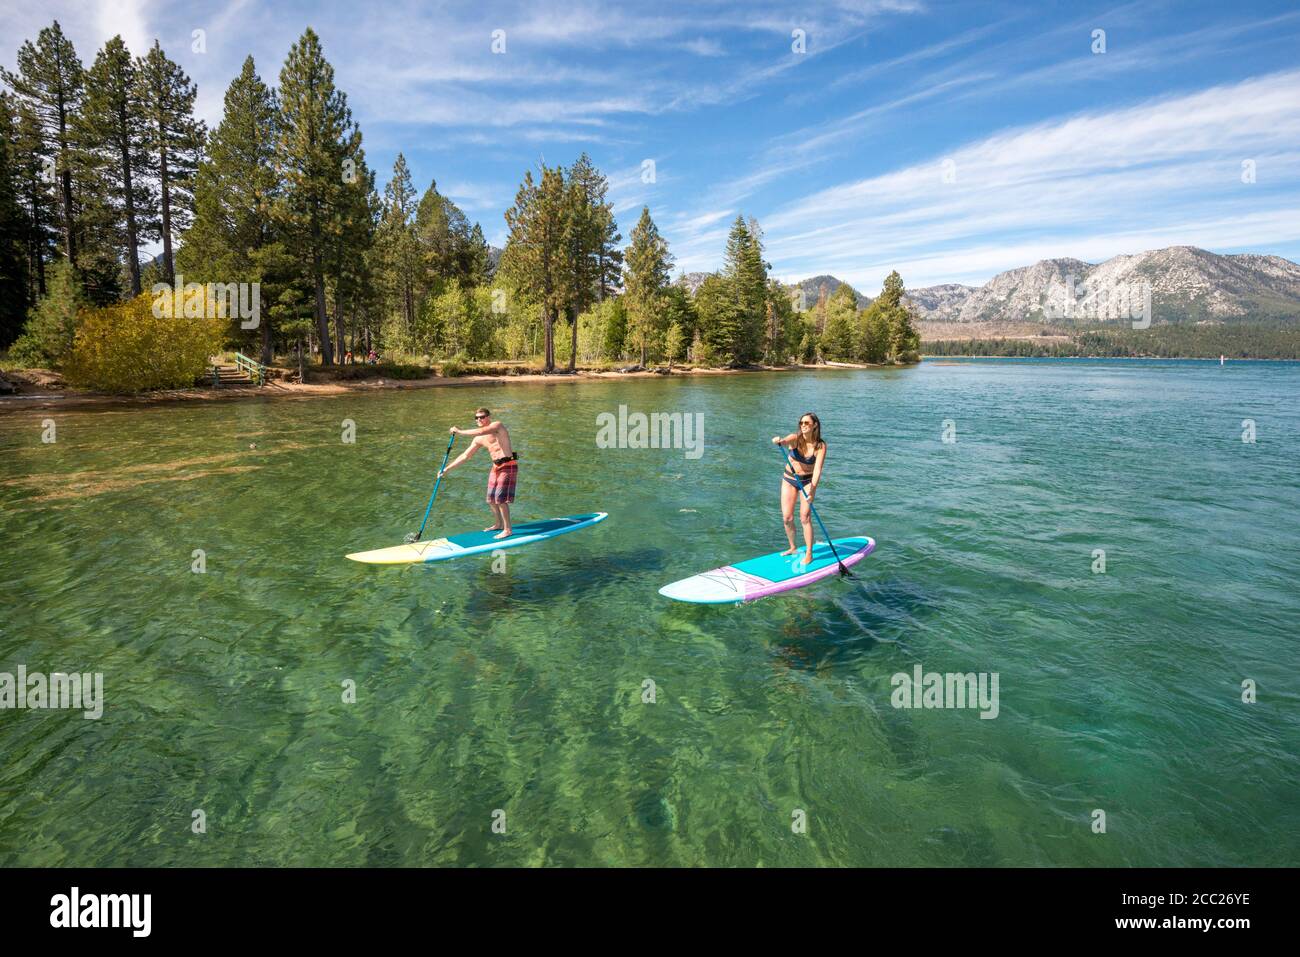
492,528
505,534
807,559
790,551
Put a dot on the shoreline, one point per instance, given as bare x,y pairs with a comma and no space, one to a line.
281,390
1226,359
276,390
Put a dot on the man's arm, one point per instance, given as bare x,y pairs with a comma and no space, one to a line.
468,453
486,430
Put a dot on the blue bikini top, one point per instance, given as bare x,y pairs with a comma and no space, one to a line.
799,457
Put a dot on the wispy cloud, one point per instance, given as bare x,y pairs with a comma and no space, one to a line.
839,151
1078,187
703,47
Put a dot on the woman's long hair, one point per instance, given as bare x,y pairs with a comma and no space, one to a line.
816,431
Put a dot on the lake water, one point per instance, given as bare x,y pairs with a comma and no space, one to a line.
517,695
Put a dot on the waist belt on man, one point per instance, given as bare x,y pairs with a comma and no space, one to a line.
512,457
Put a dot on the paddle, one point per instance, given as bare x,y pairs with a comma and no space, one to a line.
829,541
450,442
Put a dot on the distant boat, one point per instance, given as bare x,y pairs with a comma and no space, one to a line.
1221,360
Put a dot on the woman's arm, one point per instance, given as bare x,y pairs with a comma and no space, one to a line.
788,441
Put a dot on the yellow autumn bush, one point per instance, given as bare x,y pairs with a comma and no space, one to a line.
127,348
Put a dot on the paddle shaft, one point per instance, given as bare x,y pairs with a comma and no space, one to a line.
450,443
829,541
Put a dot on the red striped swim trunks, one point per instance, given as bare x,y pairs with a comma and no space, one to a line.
501,483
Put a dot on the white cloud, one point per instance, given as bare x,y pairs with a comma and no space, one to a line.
125,17
1164,172
703,47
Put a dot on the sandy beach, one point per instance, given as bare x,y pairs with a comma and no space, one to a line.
38,389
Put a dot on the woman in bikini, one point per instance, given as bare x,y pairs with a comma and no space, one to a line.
804,470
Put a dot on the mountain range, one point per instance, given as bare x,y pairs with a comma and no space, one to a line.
1186,284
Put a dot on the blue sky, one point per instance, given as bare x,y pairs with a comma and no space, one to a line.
947,140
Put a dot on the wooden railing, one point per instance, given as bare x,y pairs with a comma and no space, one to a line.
254,369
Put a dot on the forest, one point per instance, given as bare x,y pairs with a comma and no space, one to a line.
1272,340
99,163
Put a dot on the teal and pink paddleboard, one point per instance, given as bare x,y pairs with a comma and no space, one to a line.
768,574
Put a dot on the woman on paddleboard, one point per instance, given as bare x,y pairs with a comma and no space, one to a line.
803,470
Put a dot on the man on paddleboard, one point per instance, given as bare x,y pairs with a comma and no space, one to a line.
504,473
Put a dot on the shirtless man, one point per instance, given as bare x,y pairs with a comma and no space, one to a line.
505,467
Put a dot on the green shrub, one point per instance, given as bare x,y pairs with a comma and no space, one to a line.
403,371
383,370
453,367
51,327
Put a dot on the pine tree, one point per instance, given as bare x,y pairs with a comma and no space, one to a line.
601,258
873,334
173,143
746,272
353,237
400,265
780,314
609,265
452,249
49,83
234,189
819,311
315,139
478,257
680,309
111,131
647,268
588,231
32,161
903,339
721,322
534,258
347,266
52,324
14,230
838,337
100,243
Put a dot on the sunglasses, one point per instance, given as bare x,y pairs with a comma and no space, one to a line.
480,416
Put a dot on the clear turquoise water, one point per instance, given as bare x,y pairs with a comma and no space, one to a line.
521,691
